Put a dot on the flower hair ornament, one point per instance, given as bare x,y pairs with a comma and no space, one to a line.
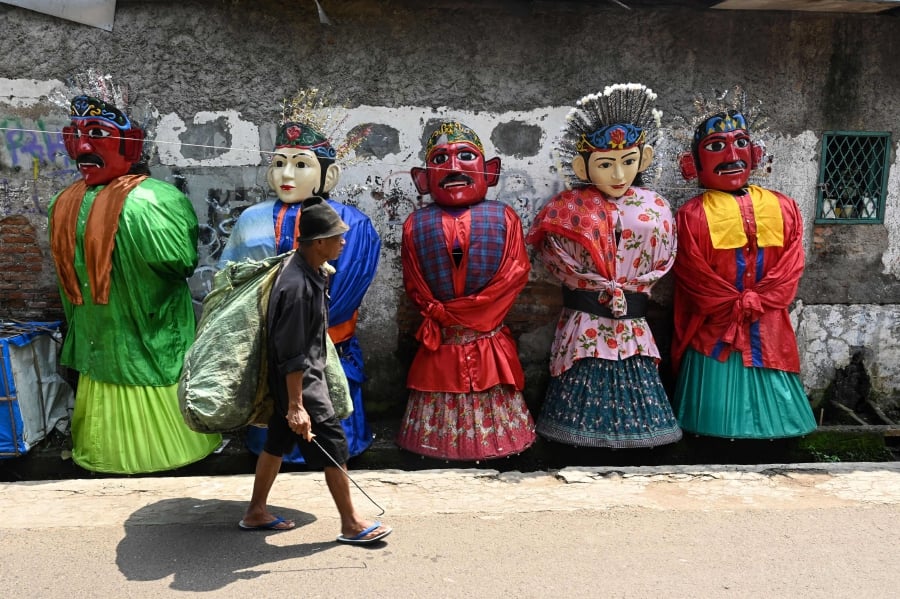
621,116
314,108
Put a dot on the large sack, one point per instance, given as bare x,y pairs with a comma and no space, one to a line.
223,385
338,385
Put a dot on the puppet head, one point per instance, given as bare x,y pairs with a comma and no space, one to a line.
302,164
456,173
607,137
611,158
722,154
101,140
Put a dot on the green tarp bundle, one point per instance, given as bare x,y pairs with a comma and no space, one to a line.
223,384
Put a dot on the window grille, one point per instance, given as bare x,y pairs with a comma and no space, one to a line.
853,177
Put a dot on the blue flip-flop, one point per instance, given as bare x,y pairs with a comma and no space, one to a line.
359,539
267,526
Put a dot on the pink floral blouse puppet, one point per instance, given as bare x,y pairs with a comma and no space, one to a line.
608,242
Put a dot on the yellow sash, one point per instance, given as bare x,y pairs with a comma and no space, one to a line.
726,228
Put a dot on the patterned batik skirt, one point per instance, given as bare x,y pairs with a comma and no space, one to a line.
467,426
728,399
609,403
125,429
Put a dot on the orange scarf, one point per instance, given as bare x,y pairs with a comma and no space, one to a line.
99,235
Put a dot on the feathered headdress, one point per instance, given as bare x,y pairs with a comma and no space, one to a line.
621,116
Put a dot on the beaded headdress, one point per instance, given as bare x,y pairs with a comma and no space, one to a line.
452,132
326,119
722,122
89,107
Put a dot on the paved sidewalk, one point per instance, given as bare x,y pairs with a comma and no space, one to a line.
799,530
110,501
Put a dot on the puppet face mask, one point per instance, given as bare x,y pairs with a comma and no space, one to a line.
98,149
302,164
294,174
724,153
725,160
613,171
456,174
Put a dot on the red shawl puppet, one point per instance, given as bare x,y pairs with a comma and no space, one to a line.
713,316
489,361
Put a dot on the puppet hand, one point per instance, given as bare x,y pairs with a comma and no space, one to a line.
751,305
617,303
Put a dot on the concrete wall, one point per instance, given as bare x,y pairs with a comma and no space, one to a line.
216,72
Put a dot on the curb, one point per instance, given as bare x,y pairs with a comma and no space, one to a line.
830,445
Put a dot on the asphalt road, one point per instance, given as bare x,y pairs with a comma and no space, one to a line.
700,531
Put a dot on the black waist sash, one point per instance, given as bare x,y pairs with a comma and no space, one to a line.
586,301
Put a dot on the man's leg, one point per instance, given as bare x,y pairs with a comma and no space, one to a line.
257,514
351,522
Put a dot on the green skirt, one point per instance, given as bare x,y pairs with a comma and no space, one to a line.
728,399
125,429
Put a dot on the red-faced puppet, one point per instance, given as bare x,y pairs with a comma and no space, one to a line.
722,154
456,173
101,140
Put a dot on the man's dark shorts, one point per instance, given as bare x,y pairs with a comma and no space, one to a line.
330,435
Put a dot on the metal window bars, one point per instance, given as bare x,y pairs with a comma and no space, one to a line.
853,177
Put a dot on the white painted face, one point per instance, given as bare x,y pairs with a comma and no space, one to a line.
294,174
613,171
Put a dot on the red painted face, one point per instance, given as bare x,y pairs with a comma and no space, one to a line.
456,174
97,148
725,160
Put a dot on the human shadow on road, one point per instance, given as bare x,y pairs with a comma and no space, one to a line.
199,542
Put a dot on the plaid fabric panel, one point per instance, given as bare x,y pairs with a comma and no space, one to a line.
487,240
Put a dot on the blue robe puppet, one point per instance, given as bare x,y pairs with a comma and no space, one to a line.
271,227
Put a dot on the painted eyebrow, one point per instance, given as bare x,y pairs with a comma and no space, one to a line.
286,157
608,159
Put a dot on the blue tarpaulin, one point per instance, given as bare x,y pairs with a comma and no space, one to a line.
34,399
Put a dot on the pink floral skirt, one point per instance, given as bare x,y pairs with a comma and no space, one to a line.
467,426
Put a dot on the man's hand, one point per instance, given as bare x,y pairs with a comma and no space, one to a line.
298,420
297,416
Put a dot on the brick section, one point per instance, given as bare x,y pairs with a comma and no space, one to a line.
27,291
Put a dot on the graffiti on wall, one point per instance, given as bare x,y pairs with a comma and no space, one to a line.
223,207
34,164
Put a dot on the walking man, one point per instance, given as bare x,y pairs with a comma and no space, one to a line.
296,325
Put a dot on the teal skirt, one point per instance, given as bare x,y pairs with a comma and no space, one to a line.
609,403
728,399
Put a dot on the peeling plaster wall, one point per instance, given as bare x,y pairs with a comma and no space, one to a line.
217,72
